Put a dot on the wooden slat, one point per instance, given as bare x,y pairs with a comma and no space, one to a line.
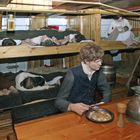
25,51
136,29
98,28
0,22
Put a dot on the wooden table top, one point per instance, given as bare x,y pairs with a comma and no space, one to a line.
70,126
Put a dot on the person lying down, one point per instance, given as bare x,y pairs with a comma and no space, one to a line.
8,91
26,81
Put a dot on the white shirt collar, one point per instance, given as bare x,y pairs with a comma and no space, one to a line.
86,70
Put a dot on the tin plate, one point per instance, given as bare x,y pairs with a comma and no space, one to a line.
99,115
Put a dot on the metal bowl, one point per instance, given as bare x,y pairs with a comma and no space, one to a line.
136,89
99,115
133,110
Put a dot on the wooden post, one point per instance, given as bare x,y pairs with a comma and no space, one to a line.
0,22
97,28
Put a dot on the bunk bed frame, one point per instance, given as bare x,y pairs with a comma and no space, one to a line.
94,8
22,51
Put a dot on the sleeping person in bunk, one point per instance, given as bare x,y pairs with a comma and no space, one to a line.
9,42
8,91
118,23
127,37
120,30
26,81
44,40
116,27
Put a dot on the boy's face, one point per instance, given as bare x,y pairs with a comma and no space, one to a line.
94,64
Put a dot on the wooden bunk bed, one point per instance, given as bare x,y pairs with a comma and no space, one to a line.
25,51
92,8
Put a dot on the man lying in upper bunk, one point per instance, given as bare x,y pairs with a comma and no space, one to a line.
53,41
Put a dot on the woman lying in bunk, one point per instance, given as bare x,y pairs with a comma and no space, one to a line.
26,81
120,30
126,36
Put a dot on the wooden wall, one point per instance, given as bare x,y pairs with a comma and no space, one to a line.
90,26
74,23
0,22
36,22
135,22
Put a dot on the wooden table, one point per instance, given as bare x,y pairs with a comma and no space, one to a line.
69,126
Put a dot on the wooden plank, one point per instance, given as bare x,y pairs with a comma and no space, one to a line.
0,22
114,45
136,29
26,51
98,28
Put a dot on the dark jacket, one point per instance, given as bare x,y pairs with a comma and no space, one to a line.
77,88
83,89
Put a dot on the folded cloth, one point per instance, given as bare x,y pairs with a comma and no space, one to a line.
31,82
55,80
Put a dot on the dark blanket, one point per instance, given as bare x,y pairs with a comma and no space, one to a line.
22,35
22,97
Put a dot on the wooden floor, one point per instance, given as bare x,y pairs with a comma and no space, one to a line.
6,126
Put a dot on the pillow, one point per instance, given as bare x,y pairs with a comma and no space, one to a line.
8,42
36,40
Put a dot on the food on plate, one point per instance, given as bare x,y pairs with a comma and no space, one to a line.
99,115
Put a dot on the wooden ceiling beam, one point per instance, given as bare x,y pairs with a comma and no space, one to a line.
120,10
16,9
100,8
